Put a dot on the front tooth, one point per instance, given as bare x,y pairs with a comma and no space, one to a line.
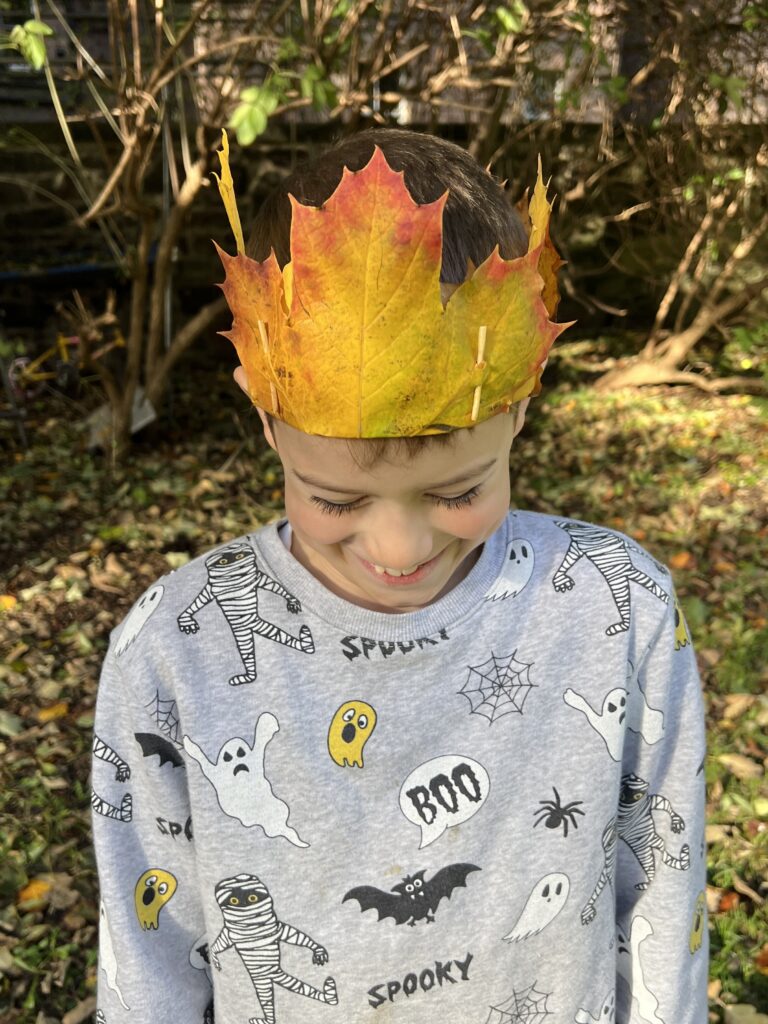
380,569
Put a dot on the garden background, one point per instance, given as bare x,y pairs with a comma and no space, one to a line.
126,449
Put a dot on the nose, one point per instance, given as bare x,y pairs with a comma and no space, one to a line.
398,538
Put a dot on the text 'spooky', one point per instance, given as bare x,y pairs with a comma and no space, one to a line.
424,981
354,646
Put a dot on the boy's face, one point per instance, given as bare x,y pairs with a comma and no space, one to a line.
432,511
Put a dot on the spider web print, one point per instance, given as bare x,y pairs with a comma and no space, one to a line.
498,687
525,1007
164,714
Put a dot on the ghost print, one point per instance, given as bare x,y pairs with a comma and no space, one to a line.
546,900
138,617
516,572
629,967
622,709
241,785
107,957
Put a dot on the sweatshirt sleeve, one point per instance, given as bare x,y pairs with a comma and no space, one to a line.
152,947
662,940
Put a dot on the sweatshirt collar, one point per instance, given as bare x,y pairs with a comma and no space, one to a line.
460,602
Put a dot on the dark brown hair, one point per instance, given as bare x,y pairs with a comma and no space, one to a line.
477,217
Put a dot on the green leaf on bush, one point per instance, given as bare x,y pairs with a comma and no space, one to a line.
316,87
28,40
38,28
249,119
288,50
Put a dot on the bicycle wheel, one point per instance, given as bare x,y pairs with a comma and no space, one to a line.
23,388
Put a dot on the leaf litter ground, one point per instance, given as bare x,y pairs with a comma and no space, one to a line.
683,474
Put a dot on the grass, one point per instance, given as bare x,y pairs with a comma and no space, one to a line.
683,474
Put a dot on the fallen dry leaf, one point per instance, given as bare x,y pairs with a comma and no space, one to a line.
67,571
681,560
714,896
729,901
746,890
105,582
737,703
740,766
113,565
35,891
50,714
716,833
722,566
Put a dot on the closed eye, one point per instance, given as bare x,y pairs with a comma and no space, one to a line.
338,508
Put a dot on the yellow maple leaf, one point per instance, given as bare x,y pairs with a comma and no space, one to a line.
352,338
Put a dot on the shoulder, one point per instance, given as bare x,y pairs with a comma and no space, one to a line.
593,571
155,614
561,536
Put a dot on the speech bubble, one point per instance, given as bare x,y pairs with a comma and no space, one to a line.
443,792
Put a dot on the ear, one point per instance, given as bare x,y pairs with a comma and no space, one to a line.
520,411
242,383
269,432
522,407
240,379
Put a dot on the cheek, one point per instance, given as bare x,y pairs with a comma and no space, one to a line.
482,517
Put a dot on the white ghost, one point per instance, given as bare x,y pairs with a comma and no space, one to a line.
518,567
107,958
138,616
622,709
605,1015
242,788
546,901
629,967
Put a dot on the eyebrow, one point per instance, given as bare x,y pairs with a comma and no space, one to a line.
462,478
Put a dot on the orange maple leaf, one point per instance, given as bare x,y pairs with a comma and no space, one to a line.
352,339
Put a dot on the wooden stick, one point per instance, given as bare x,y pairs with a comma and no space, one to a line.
482,334
476,404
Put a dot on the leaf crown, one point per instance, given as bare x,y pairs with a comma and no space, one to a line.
351,338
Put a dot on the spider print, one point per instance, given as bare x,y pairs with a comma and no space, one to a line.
554,814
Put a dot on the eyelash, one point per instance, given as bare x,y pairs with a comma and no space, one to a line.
339,508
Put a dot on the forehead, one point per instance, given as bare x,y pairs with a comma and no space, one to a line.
343,463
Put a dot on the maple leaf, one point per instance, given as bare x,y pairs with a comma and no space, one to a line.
352,338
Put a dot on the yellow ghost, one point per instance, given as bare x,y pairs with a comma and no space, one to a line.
682,636
697,926
152,892
350,727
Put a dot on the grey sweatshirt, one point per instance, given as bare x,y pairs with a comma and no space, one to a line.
487,811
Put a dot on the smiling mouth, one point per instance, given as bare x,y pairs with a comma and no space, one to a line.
399,577
380,569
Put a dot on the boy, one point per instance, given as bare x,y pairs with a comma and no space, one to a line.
484,726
